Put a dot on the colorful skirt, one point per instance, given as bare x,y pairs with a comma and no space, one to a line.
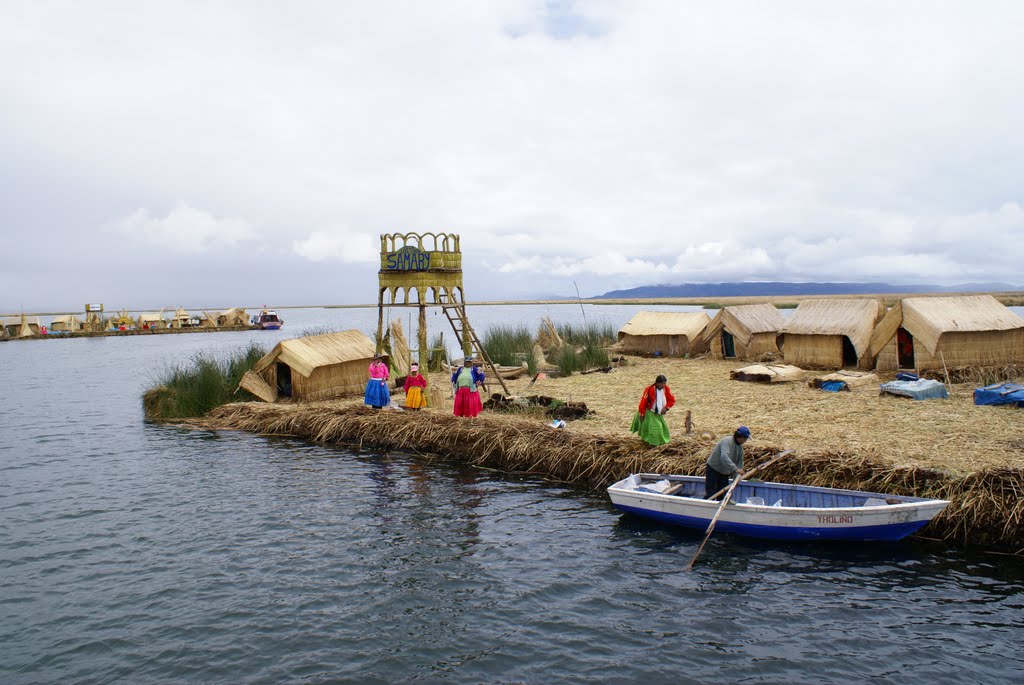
651,427
467,402
414,398
377,394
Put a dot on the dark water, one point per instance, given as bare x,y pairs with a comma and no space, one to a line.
136,553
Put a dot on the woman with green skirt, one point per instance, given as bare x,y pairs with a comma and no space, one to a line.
649,420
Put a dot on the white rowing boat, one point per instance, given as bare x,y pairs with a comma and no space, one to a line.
776,511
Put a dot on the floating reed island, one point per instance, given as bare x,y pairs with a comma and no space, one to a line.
949,449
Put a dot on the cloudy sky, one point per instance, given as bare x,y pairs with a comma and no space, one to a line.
223,153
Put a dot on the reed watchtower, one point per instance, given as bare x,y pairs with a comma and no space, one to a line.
425,270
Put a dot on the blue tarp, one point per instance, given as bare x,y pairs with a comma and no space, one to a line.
833,386
1000,393
919,390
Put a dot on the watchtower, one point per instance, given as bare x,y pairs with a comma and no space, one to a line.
425,270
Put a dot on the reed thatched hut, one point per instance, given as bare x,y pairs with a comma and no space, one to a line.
23,326
236,316
745,331
833,333
673,334
68,323
929,332
316,367
151,320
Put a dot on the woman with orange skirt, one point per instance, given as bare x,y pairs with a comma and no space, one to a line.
415,389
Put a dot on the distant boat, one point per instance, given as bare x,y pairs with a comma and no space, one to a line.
267,319
776,511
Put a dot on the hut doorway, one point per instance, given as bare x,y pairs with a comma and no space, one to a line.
904,348
728,344
284,380
849,353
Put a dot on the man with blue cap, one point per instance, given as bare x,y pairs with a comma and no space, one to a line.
726,460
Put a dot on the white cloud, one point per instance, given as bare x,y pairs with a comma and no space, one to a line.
340,246
605,140
185,230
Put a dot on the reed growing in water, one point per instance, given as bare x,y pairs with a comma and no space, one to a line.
192,390
510,345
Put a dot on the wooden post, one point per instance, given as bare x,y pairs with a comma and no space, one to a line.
689,421
424,352
380,320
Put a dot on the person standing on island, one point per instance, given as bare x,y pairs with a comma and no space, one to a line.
726,460
467,382
415,389
377,394
649,420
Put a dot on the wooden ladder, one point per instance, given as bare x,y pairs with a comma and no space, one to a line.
456,314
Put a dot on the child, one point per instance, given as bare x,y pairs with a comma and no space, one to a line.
415,389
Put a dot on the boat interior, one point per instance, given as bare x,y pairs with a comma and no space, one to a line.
758,493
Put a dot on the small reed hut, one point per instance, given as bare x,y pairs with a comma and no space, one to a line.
745,331
23,327
316,367
832,333
151,320
932,332
69,323
236,316
673,334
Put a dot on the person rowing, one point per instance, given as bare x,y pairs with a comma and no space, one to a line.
725,461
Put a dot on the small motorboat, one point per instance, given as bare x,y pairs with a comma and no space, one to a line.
776,511
267,319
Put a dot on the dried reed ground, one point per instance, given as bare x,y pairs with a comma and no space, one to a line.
953,434
948,449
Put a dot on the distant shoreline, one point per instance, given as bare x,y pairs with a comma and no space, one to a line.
1008,298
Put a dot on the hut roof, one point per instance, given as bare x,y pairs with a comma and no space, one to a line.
68,319
304,355
744,321
854,318
149,317
927,318
689,324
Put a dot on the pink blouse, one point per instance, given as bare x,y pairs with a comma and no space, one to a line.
378,371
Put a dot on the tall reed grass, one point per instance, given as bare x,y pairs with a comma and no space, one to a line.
191,390
509,345
585,347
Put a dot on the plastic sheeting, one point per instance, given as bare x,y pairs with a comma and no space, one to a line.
1000,393
919,390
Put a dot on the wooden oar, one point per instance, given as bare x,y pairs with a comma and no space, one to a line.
725,500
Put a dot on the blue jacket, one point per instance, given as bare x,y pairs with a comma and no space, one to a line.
478,375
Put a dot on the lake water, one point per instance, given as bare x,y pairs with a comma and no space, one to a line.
139,553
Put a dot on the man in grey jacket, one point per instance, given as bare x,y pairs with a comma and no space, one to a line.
726,460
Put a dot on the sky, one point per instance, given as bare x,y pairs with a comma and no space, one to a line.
221,154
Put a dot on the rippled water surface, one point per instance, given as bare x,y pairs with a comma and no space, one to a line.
137,553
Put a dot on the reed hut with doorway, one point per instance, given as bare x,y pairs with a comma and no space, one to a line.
672,334
69,323
23,326
745,331
832,333
150,321
924,333
236,316
316,367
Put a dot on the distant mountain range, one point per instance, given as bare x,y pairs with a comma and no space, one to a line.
781,289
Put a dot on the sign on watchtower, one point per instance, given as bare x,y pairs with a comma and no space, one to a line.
425,270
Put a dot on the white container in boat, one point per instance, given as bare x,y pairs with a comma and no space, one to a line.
757,501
